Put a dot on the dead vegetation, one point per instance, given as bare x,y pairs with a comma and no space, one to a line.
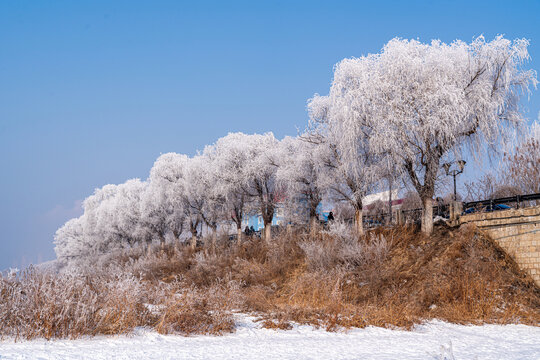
390,278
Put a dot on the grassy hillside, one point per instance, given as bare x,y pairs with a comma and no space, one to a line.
390,278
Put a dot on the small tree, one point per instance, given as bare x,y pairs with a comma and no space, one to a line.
521,167
69,241
482,188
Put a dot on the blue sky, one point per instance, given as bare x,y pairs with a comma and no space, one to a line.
92,92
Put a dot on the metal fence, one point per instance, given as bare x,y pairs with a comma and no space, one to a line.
517,201
413,216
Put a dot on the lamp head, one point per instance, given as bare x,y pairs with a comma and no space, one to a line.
447,168
461,164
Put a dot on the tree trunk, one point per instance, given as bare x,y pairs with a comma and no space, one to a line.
313,225
267,209
176,235
237,218
239,235
193,238
358,222
313,216
268,232
161,239
193,229
214,237
426,190
427,215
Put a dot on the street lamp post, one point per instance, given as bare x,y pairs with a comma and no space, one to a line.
454,172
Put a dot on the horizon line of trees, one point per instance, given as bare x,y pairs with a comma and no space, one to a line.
389,117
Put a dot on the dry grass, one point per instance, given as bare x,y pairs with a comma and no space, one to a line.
75,304
390,278
45,305
456,275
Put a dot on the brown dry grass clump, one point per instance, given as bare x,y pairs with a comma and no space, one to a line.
459,276
44,305
396,277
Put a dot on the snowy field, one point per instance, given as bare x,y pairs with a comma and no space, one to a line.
436,340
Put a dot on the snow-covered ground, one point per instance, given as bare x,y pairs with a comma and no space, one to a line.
435,340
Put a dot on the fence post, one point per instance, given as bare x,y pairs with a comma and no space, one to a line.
399,215
456,208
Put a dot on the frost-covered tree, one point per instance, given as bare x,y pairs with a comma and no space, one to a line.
249,168
445,98
422,102
176,196
259,174
193,200
348,169
70,242
203,194
228,159
163,202
95,229
111,220
123,211
104,213
298,161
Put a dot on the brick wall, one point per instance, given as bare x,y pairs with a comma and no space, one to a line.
517,231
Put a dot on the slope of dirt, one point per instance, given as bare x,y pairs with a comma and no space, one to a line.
458,275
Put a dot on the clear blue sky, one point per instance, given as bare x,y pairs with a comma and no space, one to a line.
91,92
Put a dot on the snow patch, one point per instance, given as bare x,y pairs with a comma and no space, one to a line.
433,340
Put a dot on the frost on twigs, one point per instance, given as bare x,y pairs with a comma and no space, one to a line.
344,248
74,304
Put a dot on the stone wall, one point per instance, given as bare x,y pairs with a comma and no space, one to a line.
517,231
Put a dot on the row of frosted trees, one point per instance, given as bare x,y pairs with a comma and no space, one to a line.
398,115
237,176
